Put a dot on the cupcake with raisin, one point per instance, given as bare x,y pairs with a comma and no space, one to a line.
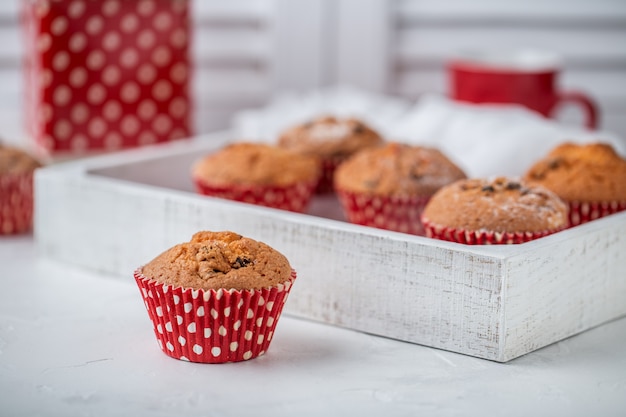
16,190
493,211
331,140
258,173
590,178
388,186
216,298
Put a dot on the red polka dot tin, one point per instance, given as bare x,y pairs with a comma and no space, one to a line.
106,75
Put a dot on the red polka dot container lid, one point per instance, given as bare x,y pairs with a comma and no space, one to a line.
106,75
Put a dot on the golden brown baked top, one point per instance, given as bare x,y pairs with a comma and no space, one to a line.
329,136
589,172
256,164
499,205
16,161
214,260
397,169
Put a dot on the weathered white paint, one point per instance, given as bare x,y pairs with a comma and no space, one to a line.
115,213
74,342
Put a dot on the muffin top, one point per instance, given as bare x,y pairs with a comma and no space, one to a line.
16,161
499,204
397,169
329,137
214,260
582,172
256,164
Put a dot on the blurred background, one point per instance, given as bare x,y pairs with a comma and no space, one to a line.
245,52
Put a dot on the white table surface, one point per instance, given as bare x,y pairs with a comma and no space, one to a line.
77,343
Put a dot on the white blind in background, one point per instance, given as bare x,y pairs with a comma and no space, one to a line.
590,36
11,84
232,50
245,51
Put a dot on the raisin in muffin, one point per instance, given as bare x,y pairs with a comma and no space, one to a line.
258,173
16,189
499,210
331,140
590,178
216,298
388,186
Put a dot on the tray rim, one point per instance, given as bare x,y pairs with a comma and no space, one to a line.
91,173
88,170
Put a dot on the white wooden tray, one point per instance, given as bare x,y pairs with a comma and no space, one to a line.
114,213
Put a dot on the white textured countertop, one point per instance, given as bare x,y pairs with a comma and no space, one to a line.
74,343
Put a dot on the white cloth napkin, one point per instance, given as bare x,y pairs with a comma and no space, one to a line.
483,140
265,124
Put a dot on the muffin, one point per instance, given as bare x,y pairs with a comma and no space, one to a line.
216,298
331,140
590,178
260,174
493,211
16,190
387,187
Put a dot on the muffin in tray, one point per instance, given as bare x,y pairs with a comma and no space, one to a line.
590,178
16,189
493,211
216,298
258,173
388,186
331,140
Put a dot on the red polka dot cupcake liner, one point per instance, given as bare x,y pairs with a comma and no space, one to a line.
16,203
581,212
294,198
481,237
325,184
214,326
396,213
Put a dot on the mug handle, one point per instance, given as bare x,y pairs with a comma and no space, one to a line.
584,101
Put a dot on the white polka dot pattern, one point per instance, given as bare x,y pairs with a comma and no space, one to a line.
16,203
397,213
581,212
228,333
105,60
294,197
78,42
78,77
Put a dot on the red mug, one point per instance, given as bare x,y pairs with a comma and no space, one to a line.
527,78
